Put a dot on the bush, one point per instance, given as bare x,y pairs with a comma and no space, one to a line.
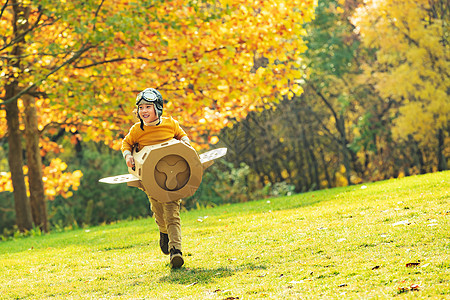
223,183
7,212
94,202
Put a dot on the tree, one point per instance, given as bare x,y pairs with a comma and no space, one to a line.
412,66
340,128
22,204
80,66
332,61
22,78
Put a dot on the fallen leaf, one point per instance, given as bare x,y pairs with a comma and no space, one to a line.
192,284
405,222
411,265
295,281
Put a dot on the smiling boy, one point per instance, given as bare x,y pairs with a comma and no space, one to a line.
151,130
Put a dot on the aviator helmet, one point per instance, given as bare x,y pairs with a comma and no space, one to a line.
150,96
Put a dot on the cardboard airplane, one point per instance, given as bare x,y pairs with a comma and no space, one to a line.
168,171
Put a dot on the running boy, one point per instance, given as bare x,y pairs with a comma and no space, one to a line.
154,129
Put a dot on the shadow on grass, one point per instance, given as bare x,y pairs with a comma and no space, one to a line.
201,275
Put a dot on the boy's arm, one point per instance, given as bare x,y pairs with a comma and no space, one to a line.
126,148
126,152
180,134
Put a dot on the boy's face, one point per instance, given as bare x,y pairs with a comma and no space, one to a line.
147,112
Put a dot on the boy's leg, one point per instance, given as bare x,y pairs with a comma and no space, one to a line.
158,211
173,223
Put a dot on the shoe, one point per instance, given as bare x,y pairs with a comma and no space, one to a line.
176,258
164,243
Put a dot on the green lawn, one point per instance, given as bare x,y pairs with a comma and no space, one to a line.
370,241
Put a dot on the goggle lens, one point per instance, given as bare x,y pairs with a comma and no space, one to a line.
147,96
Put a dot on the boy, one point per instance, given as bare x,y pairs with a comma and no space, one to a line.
154,129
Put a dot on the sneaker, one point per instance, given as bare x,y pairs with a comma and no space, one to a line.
176,258
164,243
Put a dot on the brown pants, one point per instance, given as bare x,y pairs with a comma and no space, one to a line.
167,217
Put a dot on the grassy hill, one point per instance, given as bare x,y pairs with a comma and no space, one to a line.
368,241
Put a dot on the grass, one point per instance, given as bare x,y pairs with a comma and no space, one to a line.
372,241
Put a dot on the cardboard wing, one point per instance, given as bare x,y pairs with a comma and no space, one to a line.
119,179
207,158
167,171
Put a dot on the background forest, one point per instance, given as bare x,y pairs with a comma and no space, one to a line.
305,95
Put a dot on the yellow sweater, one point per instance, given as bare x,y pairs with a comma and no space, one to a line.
152,135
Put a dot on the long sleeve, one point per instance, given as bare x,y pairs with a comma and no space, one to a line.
179,132
128,141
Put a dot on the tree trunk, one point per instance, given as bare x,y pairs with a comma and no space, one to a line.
21,202
309,159
34,162
325,168
340,124
315,163
442,162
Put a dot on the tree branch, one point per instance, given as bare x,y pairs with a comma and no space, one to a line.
77,54
6,209
22,35
324,127
3,8
327,103
96,14
96,63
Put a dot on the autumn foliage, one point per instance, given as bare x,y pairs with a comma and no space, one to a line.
212,61
83,62
55,179
412,62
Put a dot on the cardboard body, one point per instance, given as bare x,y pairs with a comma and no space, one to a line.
167,171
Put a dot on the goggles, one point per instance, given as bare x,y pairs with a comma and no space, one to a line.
147,96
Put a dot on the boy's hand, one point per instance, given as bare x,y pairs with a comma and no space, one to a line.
130,161
186,140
